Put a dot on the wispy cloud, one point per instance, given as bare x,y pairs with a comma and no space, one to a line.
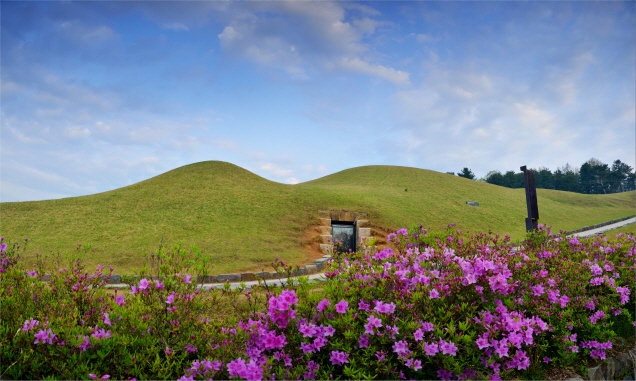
305,37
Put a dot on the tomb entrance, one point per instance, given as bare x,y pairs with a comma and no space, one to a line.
345,228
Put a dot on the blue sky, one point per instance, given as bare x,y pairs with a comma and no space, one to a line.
100,95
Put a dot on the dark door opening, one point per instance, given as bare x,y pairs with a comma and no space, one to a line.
344,236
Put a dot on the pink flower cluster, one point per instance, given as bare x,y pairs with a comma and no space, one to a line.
205,368
597,350
319,335
515,292
245,370
280,308
44,337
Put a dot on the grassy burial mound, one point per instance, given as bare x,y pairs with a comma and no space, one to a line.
244,221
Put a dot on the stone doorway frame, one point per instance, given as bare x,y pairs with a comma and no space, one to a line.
358,219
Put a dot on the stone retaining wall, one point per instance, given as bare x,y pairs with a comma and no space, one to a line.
309,269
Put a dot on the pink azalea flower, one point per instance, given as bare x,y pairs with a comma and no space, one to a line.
596,270
44,337
319,342
328,330
414,364
401,348
431,349
306,347
85,344
482,342
30,324
323,304
143,284
187,279
447,348
427,327
236,367
120,300
308,330
362,306
372,322
418,335
339,358
384,308
342,307
107,319
501,347
101,333
537,290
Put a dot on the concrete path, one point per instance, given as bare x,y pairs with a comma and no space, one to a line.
605,228
208,286
271,282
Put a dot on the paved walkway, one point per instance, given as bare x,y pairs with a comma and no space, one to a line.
271,282
321,277
605,228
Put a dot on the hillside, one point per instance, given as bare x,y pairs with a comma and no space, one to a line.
245,221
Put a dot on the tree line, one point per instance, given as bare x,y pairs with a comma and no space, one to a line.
593,177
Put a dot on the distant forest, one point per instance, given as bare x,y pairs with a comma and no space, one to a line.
593,177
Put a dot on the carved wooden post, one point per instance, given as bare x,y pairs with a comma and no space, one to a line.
532,221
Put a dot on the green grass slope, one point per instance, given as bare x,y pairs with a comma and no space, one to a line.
245,221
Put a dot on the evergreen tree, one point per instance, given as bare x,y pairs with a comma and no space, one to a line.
495,178
618,176
567,179
630,182
513,180
596,177
466,173
586,178
543,178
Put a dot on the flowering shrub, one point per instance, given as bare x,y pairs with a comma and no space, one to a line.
443,305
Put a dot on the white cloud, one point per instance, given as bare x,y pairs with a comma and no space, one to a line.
535,119
292,180
360,66
301,37
276,170
10,88
21,136
77,132
87,34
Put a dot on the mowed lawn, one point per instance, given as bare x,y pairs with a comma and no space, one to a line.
245,221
